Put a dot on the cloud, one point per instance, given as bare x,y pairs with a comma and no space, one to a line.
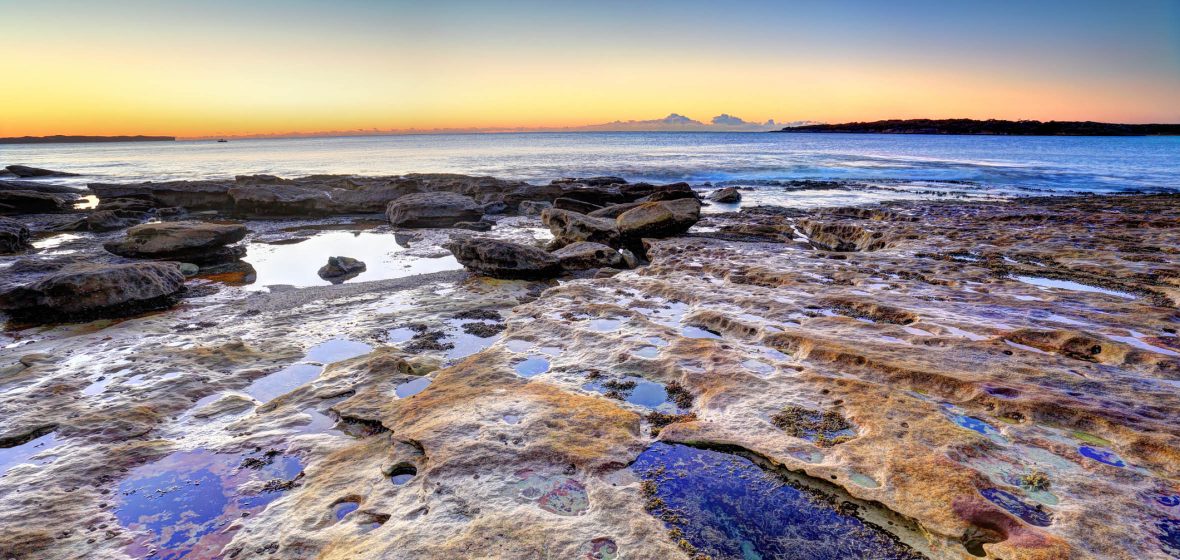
728,120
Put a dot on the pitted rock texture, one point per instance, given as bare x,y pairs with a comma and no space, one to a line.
503,259
186,241
433,210
86,292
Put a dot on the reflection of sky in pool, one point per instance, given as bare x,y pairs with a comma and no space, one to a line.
1101,455
648,394
728,507
298,264
23,453
1030,514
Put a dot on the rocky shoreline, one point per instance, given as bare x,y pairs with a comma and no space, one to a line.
939,379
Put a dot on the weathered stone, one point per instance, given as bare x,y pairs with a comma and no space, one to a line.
107,220
575,205
26,171
572,227
659,219
503,259
86,292
534,207
195,242
14,236
584,254
30,202
613,211
340,269
474,226
38,187
425,210
727,195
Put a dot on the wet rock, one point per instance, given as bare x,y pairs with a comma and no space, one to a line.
474,226
37,187
502,259
571,227
585,254
647,192
195,242
591,181
726,195
575,205
24,171
340,269
613,211
86,292
425,210
107,220
31,202
131,204
841,237
14,236
659,219
534,207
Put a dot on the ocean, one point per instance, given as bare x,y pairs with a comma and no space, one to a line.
894,166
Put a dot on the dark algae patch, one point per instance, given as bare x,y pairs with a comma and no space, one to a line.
723,506
825,428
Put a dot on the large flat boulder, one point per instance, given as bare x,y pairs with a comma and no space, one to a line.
438,209
571,227
86,292
585,255
659,219
195,242
106,220
24,171
38,187
503,259
31,202
14,236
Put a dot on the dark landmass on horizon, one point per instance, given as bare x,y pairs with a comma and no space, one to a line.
992,127
62,139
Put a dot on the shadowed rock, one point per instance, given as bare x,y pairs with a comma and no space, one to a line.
503,259
14,236
659,219
30,202
571,227
37,187
106,220
194,242
575,205
584,255
85,292
340,269
433,210
727,195
26,171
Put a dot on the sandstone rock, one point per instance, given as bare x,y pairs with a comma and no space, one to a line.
133,204
86,292
503,259
584,254
571,227
195,242
640,190
613,211
423,210
14,236
26,171
30,202
474,226
534,207
575,205
591,181
659,219
629,258
38,187
726,195
340,269
107,220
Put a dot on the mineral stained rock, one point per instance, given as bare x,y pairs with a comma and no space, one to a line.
86,292
988,378
659,219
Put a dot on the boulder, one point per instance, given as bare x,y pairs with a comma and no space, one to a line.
591,181
571,227
575,205
340,269
534,207
14,236
23,171
727,195
134,204
433,210
613,211
474,226
106,220
92,291
195,242
503,259
31,202
659,219
38,187
585,254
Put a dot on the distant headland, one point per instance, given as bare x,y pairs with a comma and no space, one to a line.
61,139
993,127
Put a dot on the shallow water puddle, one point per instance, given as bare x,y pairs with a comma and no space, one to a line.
976,425
532,366
606,325
1103,456
1031,514
555,494
637,391
648,352
464,343
287,379
297,264
600,548
25,452
412,387
399,335
759,367
184,502
725,506
342,509
1070,285
699,332
669,315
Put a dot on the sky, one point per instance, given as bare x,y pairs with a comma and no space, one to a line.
228,67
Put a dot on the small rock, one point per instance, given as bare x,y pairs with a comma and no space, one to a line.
474,226
189,269
340,269
585,254
726,195
503,259
629,258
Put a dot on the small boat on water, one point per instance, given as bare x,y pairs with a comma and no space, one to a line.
223,140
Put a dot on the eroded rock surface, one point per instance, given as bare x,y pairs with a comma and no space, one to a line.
503,259
189,241
85,292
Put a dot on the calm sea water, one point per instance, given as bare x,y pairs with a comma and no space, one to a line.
993,163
